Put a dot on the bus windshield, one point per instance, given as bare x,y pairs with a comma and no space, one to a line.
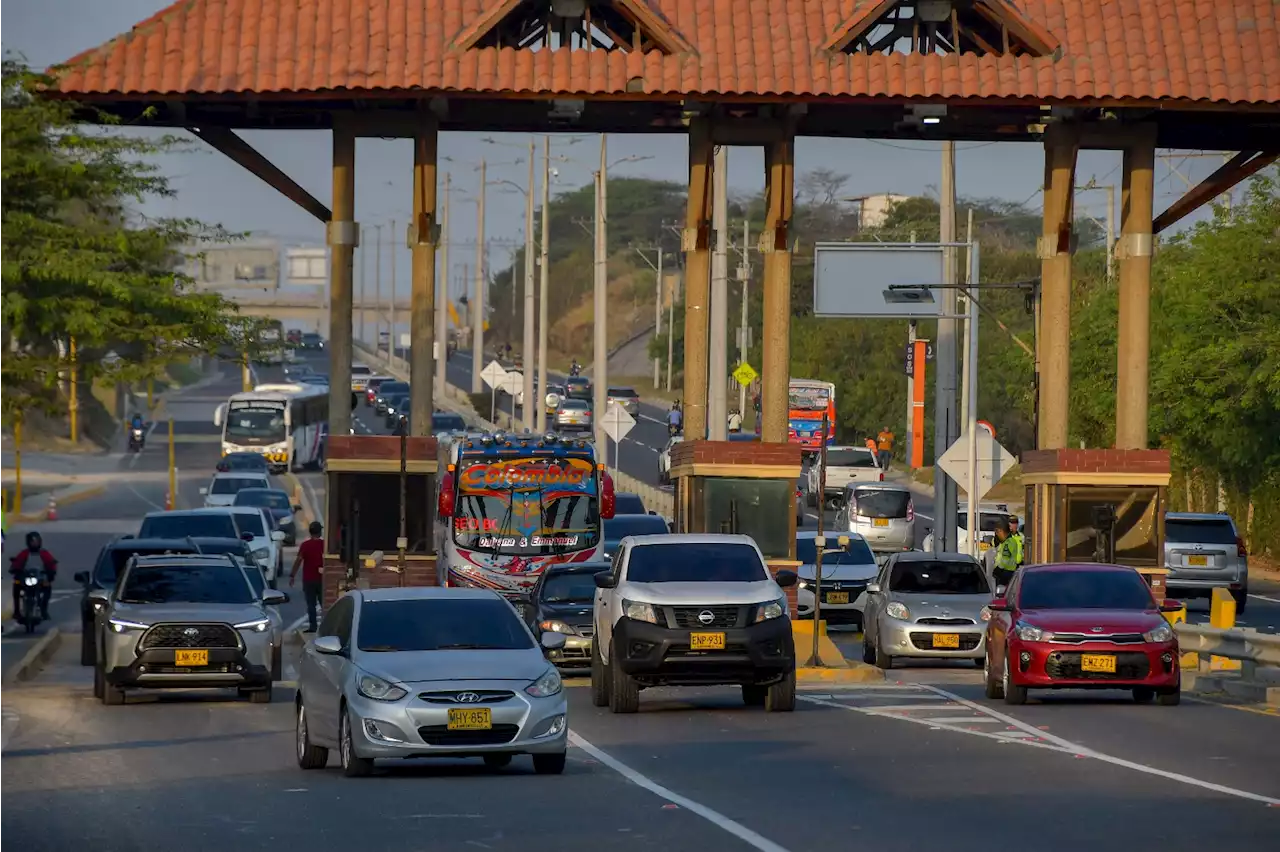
255,423
808,399
527,507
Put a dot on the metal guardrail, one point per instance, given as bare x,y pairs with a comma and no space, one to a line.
1247,645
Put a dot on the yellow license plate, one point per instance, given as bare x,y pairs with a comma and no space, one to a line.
984,545
1198,561
880,522
470,719
183,657
837,597
946,640
706,641
1098,663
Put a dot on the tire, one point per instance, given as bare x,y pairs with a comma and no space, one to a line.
353,766
99,682
1143,695
599,678
868,653
754,695
882,660
993,688
497,761
624,692
1241,598
1013,694
112,696
549,764
781,697
29,618
1171,698
88,654
277,665
309,756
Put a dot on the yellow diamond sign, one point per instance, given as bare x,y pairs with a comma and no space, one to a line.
745,374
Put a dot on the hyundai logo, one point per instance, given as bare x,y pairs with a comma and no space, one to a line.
468,698
706,617
191,633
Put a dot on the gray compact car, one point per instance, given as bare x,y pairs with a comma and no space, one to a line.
881,512
429,672
573,415
188,621
625,397
926,605
1204,552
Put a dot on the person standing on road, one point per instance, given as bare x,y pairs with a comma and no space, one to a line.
885,441
1006,554
311,559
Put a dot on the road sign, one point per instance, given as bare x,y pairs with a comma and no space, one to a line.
617,423
493,375
512,382
993,461
910,365
985,425
745,374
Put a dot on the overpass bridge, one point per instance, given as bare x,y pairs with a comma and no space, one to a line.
310,312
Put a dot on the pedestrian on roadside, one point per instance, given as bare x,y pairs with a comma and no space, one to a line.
310,559
885,442
735,421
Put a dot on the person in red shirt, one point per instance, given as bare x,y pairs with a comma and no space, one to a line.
311,559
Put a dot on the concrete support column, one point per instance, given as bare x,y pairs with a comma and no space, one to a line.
1134,338
343,236
423,237
775,245
696,244
1061,145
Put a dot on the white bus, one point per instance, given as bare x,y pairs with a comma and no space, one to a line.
283,422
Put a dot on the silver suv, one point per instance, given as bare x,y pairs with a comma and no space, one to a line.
1204,552
184,622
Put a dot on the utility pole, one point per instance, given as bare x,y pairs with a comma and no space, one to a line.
73,394
391,303
442,295
544,276
657,319
963,304
377,285
600,377
526,357
909,434
946,420
744,278
477,297
364,278
718,356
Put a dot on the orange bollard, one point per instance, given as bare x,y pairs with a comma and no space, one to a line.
51,514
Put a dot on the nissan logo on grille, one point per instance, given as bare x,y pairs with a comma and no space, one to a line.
468,698
706,616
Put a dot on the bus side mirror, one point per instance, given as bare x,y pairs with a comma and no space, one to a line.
219,414
444,503
607,498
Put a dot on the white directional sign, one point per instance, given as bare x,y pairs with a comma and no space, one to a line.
617,422
494,375
512,382
993,461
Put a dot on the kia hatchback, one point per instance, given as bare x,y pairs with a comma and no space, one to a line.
881,512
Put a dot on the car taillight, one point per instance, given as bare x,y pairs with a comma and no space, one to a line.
882,477
911,510
1241,550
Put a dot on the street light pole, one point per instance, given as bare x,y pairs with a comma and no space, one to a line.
600,379
377,285
527,346
718,356
657,321
544,276
442,295
477,297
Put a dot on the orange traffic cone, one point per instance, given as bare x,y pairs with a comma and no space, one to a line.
168,501
52,513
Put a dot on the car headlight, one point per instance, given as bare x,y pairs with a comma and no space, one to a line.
547,685
122,625
554,626
1162,633
985,615
639,611
898,611
1031,633
771,609
379,689
257,625
262,553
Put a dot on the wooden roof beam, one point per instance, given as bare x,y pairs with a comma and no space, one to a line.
1241,167
857,24
245,155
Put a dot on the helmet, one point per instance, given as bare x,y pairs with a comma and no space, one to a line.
34,541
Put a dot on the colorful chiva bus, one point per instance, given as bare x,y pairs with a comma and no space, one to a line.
509,506
807,401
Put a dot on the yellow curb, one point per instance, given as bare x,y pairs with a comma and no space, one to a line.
854,673
74,496
802,634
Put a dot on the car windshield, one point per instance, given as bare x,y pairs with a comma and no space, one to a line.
113,560
255,423
880,503
441,624
396,400
625,503
1186,531
267,499
360,370
1084,590
695,563
204,525
579,587
850,457
527,507
243,461
622,392
392,388
951,577
448,423
986,520
857,553
232,484
574,404
201,584
621,526
252,523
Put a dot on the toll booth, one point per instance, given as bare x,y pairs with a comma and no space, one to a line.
740,487
1098,506
373,481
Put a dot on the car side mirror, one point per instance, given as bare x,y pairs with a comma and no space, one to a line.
553,641
785,578
81,577
873,588
1000,591
998,605
246,536
204,492
274,597
277,535
604,580
1168,605
327,645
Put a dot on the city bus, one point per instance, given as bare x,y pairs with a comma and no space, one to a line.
283,422
271,342
807,401
510,505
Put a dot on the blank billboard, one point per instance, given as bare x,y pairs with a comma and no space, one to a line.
885,280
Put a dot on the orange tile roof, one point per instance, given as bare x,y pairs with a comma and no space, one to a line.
1223,51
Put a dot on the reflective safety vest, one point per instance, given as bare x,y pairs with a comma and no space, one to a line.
1007,555
1019,547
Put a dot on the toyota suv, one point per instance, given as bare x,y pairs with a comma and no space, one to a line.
1204,552
692,610
184,622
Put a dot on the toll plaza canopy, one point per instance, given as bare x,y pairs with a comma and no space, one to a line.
960,69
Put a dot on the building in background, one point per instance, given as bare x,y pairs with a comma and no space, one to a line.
245,265
873,210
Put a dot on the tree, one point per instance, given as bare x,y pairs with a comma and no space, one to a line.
79,263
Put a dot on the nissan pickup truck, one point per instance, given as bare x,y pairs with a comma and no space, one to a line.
845,465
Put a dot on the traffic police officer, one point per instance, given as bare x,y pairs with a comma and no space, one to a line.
1007,554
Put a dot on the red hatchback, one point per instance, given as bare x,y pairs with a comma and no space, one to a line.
1081,626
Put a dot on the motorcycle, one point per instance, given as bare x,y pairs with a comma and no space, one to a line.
673,430
575,370
137,440
30,586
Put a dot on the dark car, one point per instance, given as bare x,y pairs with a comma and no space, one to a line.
315,379
277,502
396,404
111,560
388,389
578,387
620,526
311,340
561,602
443,421
626,503
243,461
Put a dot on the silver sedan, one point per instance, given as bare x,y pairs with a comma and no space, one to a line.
429,672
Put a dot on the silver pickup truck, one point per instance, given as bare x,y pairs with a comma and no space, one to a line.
844,465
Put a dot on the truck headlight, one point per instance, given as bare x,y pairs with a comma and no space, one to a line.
637,611
771,609
122,625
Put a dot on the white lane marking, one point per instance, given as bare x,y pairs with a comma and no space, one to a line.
965,720
903,708
716,818
644,416
1007,719
1265,598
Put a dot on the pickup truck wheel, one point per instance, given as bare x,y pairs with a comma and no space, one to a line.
781,697
599,678
624,692
754,695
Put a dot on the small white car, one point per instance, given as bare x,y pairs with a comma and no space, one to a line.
222,489
266,543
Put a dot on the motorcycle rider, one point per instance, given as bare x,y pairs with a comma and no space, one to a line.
42,560
575,368
675,418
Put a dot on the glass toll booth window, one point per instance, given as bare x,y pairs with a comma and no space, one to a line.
1120,525
760,508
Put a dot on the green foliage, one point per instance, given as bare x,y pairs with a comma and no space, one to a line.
79,263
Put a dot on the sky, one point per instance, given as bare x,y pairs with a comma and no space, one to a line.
214,189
